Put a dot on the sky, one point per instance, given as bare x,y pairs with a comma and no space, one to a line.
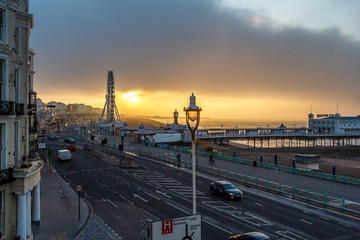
242,59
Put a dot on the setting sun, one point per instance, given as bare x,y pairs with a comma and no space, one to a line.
131,97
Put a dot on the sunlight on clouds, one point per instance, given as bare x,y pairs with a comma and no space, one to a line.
131,97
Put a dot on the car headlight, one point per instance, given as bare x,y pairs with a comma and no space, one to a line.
231,194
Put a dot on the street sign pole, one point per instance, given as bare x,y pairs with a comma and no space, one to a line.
79,188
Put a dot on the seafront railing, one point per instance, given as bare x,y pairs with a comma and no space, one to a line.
306,195
301,171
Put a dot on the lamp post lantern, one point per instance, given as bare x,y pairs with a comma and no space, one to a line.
193,120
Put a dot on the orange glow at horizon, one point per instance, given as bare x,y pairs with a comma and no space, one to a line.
134,103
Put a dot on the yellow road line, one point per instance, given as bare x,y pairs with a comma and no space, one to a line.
324,218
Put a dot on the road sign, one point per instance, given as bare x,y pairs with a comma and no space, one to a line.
188,228
41,145
79,188
145,231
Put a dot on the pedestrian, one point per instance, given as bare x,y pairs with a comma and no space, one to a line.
178,157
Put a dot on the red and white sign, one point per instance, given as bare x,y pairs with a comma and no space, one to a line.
79,188
167,226
188,227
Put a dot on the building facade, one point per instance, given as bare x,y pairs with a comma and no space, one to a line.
334,124
20,172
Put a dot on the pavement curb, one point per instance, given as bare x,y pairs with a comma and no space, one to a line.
88,220
64,184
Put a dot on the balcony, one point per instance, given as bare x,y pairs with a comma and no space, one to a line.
7,108
31,108
19,109
6,176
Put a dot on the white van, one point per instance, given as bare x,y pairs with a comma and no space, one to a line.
63,155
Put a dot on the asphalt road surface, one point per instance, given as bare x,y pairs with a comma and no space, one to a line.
156,191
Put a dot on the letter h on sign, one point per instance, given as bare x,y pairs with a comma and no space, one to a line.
167,226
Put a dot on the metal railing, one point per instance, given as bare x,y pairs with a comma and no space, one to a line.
6,176
301,171
7,108
19,109
306,195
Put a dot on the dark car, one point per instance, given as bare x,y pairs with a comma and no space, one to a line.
54,137
226,189
250,236
69,140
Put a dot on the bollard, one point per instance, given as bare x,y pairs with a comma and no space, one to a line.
236,176
308,194
267,185
343,203
256,181
293,192
245,178
227,174
324,199
280,187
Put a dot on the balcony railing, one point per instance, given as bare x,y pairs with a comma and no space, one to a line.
7,108
19,109
31,108
6,176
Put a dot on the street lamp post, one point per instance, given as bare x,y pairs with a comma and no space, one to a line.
193,120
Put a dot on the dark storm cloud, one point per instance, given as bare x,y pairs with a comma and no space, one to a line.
188,45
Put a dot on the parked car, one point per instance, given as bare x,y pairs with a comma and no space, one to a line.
71,148
226,189
69,140
54,137
250,236
63,155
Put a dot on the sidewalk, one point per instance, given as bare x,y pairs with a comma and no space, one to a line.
59,208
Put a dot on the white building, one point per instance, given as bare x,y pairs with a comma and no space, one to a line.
334,124
19,172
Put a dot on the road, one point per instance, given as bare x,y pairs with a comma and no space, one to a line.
122,197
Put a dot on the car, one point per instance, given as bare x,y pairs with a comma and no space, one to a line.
226,189
69,140
250,236
54,137
71,148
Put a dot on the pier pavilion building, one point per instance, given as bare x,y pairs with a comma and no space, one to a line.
333,124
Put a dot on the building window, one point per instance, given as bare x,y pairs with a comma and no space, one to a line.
29,81
2,214
17,41
2,78
17,86
2,25
2,141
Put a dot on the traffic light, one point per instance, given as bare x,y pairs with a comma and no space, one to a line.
92,137
121,147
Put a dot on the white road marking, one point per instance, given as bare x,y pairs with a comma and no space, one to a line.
345,225
324,218
178,208
162,193
152,195
151,214
305,221
217,226
126,199
259,204
108,200
137,196
292,236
